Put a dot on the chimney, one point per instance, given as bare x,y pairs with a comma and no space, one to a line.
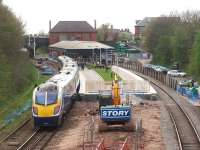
111,26
95,24
49,25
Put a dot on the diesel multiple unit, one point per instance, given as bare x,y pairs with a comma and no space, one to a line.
54,98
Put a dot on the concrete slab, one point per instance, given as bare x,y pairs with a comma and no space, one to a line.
91,82
135,82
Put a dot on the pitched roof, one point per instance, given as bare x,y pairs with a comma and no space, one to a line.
72,26
80,45
145,21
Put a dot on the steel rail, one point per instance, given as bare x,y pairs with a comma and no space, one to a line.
179,106
29,139
176,129
15,130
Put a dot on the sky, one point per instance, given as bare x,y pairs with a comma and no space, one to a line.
121,13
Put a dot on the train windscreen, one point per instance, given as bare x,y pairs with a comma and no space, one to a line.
46,98
51,98
40,98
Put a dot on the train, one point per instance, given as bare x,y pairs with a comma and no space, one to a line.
54,98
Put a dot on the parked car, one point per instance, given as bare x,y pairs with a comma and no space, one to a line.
162,69
148,66
176,73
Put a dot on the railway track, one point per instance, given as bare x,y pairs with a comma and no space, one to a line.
23,137
187,134
38,140
15,130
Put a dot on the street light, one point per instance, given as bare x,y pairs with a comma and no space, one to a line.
34,45
100,57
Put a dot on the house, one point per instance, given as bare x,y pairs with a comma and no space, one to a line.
140,26
72,30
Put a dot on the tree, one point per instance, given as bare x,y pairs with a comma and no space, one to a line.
194,65
159,27
103,32
125,36
162,52
17,70
11,29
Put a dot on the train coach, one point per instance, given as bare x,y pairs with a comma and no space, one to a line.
54,98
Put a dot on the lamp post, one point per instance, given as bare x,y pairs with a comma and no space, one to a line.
34,45
93,55
100,56
29,40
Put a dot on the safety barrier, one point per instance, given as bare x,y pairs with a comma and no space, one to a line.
188,92
94,86
138,67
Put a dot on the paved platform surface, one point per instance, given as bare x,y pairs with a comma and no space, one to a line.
90,81
133,81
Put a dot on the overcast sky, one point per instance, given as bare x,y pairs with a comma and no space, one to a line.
121,13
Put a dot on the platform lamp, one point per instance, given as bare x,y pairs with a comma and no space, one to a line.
34,45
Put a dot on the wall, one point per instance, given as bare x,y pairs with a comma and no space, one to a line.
57,37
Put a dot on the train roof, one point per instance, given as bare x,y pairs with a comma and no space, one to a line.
65,75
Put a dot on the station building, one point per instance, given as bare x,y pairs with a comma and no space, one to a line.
70,31
95,51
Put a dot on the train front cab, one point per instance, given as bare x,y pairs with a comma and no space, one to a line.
47,109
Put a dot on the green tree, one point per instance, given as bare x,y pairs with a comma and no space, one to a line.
16,70
180,47
159,27
163,51
125,36
103,32
194,65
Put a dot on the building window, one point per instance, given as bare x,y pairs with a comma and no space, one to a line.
63,37
86,36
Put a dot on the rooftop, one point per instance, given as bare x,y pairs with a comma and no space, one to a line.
80,45
72,26
145,21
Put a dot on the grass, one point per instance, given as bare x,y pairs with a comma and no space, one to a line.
42,50
18,103
106,74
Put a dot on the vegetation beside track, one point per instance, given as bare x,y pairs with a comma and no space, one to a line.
18,76
21,101
174,41
105,73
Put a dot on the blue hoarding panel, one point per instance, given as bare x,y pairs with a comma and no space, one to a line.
116,113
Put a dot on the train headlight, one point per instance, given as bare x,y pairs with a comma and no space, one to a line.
35,110
56,109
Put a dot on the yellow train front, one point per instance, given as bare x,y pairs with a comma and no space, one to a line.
50,104
47,107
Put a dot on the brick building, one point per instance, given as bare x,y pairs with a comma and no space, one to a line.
72,30
140,26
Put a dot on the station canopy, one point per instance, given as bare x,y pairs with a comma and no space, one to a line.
80,45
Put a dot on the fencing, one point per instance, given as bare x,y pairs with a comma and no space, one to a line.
138,67
132,86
